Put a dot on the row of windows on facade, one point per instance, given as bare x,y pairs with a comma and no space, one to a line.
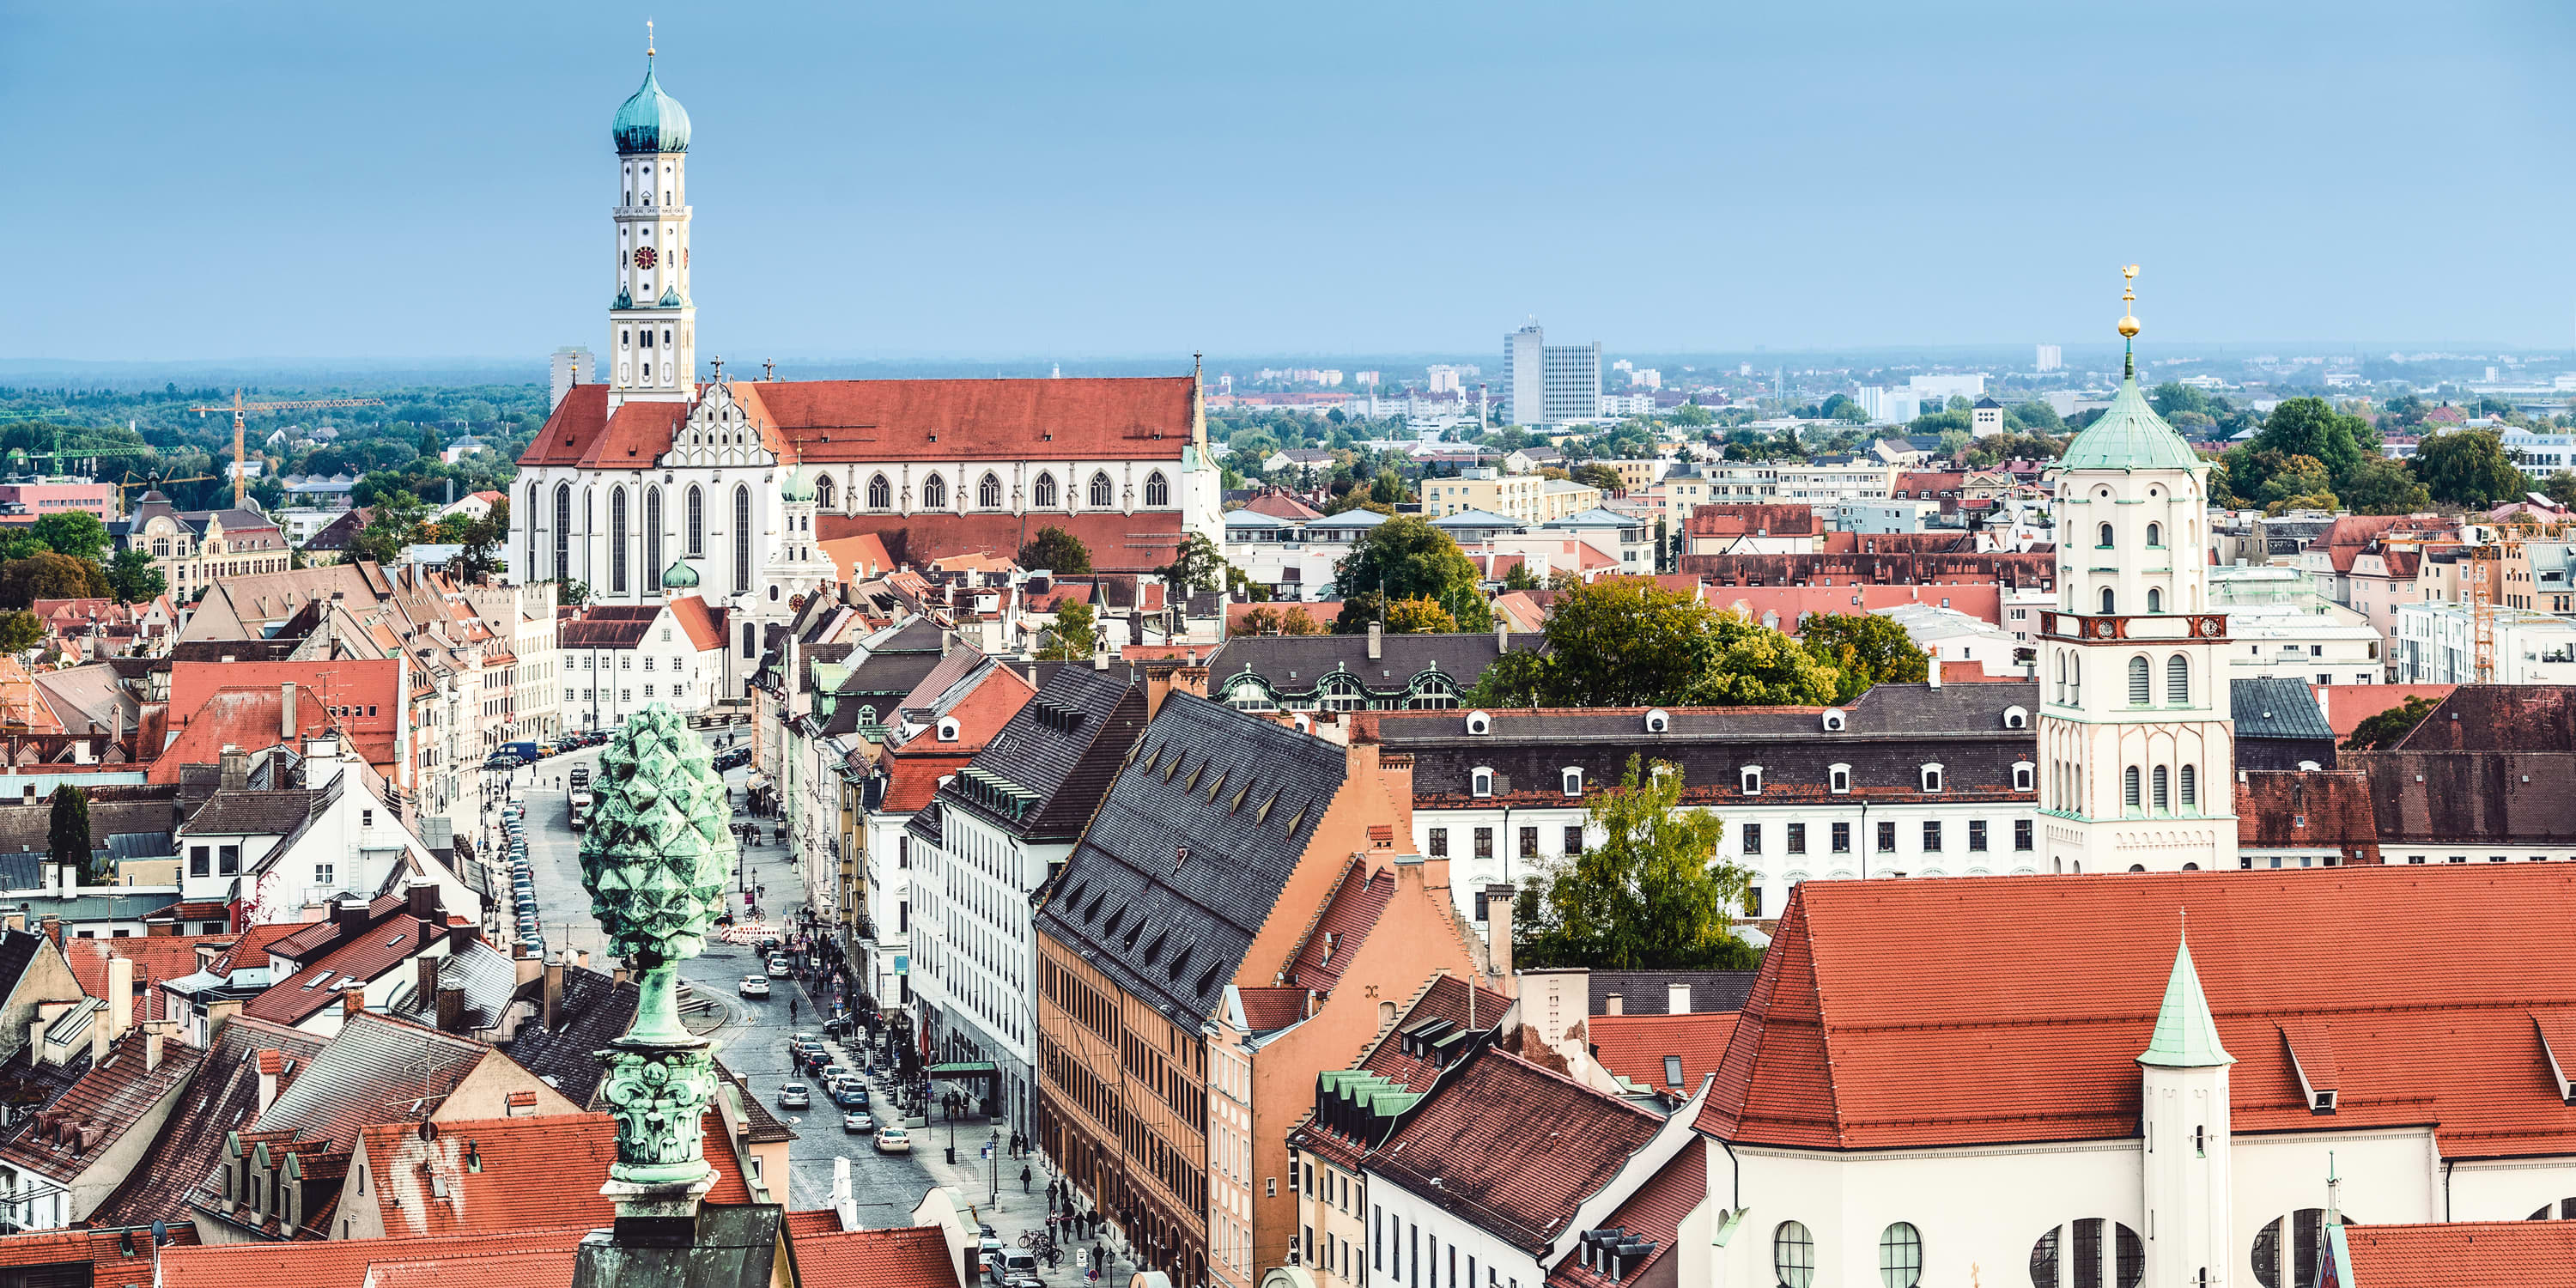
1794,838
1838,779
2142,689
2088,1253
623,695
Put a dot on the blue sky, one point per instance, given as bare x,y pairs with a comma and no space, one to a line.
198,181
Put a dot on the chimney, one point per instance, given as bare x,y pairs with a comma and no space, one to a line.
286,712
420,899
349,915
1498,935
220,1013
353,1003
53,928
120,996
271,1064
424,971
156,1034
451,1008
1677,999
1100,654
1502,635
1935,673
554,992
1377,641
100,1039
235,772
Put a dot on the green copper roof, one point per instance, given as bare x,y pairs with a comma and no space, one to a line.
798,487
2129,436
2186,1036
650,120
680,576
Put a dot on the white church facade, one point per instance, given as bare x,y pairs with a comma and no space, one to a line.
658,467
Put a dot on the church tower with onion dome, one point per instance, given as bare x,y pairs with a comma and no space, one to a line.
652,326
2137,745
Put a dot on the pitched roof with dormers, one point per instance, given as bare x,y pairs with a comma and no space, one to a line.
494,1175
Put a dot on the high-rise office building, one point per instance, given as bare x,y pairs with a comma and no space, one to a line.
1546,384
2051,359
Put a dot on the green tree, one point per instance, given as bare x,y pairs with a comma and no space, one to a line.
1863,649
1057,551
77,533
1519,577
2310,427
392,523
2297,476
2468,467
1406,558
1419,617
2389,728
1075,635
1648,892
67,836
133,579
1596,474
1691,415
1286,619
1954,443
48,575
429,444
485,538
1195,565
20,631
574,594
2036,417
2382,486
1628,642
2561,488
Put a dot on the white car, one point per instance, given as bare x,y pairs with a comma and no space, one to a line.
858,1123
778,968
892,1140
755,986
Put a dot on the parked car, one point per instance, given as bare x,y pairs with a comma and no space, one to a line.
849,1097
1013,1268
892,1140
795,1095
778,968
858,1124
755,986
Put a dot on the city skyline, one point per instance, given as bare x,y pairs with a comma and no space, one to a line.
1016,183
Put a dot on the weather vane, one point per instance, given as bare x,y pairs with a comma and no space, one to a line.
2129,321
648,38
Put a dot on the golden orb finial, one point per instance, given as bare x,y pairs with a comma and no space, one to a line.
2128,302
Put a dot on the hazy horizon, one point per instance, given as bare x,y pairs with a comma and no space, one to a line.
430,187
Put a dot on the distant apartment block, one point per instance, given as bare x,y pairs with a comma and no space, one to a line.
1546,384
2051,358
1945,388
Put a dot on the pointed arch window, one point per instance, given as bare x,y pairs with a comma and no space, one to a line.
1100,494
825,492
741,538
1042,496
2177,681
880,493
617,541
2141,687
697,528
934,493
652,537
1158,490
988,492
563,532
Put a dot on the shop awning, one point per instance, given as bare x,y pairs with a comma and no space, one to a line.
962,1071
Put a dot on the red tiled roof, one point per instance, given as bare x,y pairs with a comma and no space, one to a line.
2444,1254
1729,519
2007,1009
903,1257
582,432
1472,1007
912,780
352,1263
1280,505
1342,927
504,1174
857,558
1119,419
703,621
1269,1009
1655,1212
156,958
1515,1149
364,957
1130,543
68,1135
117,1256
1636,1046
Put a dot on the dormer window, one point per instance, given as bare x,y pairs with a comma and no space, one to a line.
1481,782
1931,778
2023,776
1838,779
1833,721
1479,724
2016,718
1573,781
1658,721
948,729
1751,777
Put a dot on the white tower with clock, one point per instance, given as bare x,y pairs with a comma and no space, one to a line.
652,340
2137,744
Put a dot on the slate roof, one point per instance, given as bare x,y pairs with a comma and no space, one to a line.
1993,1010
1062,748
1514,1148
1647,992
595,1009
221,1101
65,1138
369,1073
1191,850
1296,663
487,975
252,813
2277,708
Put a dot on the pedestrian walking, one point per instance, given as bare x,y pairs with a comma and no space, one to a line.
1024,1178
791,1010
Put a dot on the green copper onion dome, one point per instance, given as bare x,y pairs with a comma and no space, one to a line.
650,120
680,576
798,487
2129,436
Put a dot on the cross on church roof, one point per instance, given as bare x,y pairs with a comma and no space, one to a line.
718,363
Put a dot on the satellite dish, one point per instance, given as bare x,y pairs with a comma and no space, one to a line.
160,1233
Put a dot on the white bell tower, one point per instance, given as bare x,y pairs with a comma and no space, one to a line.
2184,1114
652,326
2137,745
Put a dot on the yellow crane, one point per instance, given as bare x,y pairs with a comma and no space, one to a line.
147,483
241,481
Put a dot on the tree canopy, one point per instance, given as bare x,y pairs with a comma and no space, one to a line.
67,835
1863,649
49,576
1418,617
1075,635
1647,892
2469,467
1286,619
1628,642
77,533
1057,551
1406,558
2385,730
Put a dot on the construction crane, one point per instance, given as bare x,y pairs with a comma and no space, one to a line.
241,481
147,483
93,454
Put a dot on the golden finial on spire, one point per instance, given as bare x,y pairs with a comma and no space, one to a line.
2128,301
648,40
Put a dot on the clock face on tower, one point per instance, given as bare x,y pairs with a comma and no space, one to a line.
644,257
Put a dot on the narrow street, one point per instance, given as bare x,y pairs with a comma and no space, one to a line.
751,1036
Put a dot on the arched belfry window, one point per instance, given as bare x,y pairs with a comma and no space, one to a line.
2155,600
2105,542
2155,535
2107,602
2140,685
741,538
2177,681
